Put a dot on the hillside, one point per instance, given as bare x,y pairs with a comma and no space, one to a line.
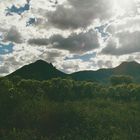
41,70
67,109
102,75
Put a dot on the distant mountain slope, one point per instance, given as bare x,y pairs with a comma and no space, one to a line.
99,75
128,68
39,70
103,75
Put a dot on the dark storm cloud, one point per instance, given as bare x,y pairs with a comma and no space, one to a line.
75,43
13,35
81,13
129,43
81,43
39,41
65,18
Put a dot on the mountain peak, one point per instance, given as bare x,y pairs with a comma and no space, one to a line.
42,62
129,64
42,70
39,70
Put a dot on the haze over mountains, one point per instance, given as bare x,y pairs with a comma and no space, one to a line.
41,70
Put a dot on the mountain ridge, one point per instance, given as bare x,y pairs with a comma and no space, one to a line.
125,68
38,70
42,70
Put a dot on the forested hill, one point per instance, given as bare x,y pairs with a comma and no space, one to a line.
66,109
41,70
103,75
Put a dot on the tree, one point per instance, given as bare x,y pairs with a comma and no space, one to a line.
121,79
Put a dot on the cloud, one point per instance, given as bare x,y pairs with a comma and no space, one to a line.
13,35
64,30
54,55
104,63
4,70
123,43
18,58
126,24
9,64
123,37
79,13
39,41
70,66
75,43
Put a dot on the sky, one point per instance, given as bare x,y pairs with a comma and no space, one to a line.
73,35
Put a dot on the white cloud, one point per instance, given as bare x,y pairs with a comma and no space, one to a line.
65,19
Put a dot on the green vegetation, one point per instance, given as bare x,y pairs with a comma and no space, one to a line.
117,80
64,109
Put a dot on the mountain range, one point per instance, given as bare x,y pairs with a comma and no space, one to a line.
41,70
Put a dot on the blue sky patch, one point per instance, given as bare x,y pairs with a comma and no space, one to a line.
17,10
6,48
30,22
85,57
101,30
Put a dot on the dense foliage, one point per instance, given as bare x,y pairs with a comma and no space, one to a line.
64,109
117,80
